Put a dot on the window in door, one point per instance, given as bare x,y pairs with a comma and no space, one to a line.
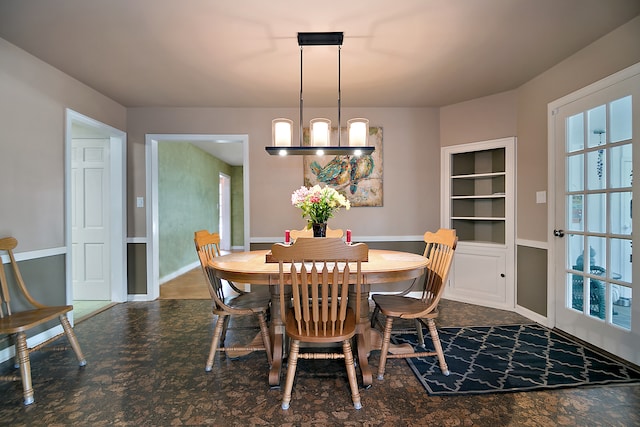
598,195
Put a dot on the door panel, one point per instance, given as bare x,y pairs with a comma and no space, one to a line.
90,219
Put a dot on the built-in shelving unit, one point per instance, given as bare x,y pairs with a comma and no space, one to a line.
478,202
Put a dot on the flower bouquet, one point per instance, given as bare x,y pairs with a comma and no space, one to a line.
318,204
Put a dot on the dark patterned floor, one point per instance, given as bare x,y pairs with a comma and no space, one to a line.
146,368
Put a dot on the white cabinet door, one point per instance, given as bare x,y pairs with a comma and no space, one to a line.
479,276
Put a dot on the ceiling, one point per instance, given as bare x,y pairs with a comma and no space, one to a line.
244,53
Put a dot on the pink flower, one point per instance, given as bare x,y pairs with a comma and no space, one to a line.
318,203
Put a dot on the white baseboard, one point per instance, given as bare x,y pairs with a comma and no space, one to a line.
531,315
179,272
138,298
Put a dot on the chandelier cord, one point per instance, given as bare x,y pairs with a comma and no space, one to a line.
301,99
339,96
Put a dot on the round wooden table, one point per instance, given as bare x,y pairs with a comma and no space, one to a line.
383,266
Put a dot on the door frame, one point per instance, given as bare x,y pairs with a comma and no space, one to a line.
151,154
224,211
118,204
552,109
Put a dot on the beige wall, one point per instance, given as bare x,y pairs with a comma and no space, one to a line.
481,119
523,113
411,153
32,123
613,52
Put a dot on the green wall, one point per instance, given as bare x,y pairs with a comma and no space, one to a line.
188,194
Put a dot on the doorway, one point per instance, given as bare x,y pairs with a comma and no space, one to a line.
592,138
95,214
219,144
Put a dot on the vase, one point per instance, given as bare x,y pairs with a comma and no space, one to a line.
319,229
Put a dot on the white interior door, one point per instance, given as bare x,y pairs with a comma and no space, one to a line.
225,212
90,219
594,137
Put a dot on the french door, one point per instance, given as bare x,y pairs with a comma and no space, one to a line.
595,138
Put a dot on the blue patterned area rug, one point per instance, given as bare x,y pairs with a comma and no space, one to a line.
496,359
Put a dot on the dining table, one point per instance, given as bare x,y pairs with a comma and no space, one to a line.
383,267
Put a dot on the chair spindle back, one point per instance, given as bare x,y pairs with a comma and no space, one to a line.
320,272
439,250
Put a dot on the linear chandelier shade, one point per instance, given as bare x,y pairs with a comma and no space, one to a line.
320,128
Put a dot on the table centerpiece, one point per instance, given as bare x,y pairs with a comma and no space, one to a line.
318,204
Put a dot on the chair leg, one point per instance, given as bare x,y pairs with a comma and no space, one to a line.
420,334
351,374
73,340
215,341
386,337
438,346
291,373
22,356
225,327
374,316
16,362
264,330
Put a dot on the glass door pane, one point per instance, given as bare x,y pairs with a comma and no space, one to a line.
599,199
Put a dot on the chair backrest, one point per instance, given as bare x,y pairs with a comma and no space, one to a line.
440,247
209,243
215,283
208,247
320,272
308,232
8,244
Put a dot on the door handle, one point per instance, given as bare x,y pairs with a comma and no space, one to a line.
558,233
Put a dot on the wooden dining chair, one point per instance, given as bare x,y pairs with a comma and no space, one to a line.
321,311
225,306
308,232
17,323
440,247
209,244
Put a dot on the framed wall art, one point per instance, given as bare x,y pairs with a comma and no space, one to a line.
359,178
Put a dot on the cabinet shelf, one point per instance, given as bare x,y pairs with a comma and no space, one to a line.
478,175
487,196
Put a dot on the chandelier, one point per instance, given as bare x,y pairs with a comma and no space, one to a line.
320,128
